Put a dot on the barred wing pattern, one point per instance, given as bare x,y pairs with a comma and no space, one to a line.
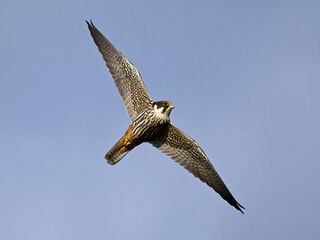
186,152
132,90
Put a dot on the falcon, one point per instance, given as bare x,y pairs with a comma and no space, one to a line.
151,122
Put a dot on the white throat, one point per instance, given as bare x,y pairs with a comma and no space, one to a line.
160,114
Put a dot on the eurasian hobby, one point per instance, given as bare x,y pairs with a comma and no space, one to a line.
151,122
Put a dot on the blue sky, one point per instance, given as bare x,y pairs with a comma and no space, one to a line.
244,77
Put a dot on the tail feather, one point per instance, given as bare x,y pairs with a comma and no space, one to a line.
115,155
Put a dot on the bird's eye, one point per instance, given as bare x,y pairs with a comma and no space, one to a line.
165,104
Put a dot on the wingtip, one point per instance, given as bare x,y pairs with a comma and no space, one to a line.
238,207
90,23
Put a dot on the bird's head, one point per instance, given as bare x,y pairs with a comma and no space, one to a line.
163,109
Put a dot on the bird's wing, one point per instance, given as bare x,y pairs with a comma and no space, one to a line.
126,77
185,151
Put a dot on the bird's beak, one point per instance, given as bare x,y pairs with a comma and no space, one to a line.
171,106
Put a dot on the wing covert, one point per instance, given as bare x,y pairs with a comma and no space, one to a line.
126,77
186,152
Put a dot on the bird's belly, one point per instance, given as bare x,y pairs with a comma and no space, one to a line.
146,132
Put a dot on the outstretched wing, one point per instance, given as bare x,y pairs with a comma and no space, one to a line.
126,77
185,151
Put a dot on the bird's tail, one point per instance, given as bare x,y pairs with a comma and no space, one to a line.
115,155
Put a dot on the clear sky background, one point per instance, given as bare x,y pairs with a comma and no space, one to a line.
244,77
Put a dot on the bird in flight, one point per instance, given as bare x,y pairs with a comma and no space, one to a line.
151,122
